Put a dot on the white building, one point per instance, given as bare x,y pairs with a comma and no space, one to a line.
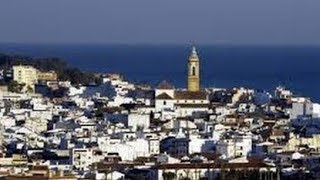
7,122
114,175
199,145
183,103
154,146
316,110
26,75
140,146
236,146
128,151
301,108
184,110
282,93
73,91
36,125
239,93
218,131
120,99
82,158
246,107
136,121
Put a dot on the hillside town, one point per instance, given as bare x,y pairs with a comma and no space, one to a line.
53,129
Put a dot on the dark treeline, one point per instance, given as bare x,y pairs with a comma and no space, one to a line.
60,66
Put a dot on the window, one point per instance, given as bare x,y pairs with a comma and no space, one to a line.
193,71
164,102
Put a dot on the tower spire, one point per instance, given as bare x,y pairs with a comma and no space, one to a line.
194,50
193,71
194,54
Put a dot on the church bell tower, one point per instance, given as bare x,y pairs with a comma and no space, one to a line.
193,71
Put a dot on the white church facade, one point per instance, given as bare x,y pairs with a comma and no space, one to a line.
183,103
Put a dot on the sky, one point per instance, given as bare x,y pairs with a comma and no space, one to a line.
289,22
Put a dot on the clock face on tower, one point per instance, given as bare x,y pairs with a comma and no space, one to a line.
193,71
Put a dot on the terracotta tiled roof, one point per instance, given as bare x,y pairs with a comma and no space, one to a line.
198,95
163,96
40,167
193,105
277,132
103,166
252,164
112,109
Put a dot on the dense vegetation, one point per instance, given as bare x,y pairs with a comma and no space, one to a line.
64,71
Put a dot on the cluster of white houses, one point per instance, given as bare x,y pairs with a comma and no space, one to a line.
122,130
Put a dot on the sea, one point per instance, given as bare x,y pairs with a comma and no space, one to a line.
222,66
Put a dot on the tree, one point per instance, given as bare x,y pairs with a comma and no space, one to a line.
140,128
169,176
13,86
60,66
29,89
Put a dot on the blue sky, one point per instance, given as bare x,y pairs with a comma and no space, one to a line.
293,22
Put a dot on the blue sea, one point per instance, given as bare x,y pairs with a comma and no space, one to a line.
259,67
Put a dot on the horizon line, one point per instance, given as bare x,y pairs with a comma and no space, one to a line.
162,44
